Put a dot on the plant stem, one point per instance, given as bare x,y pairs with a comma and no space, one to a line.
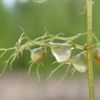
89,42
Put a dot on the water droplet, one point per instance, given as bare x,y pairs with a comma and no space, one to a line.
80,62
38,55
61,51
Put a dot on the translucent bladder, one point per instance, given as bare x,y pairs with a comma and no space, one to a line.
80,62
96,55
61,51
38,55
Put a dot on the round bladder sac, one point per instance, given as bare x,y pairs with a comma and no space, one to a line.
38,55
61,51
80,62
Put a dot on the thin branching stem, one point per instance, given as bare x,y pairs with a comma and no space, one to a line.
29,70
65,74
53,71
38,73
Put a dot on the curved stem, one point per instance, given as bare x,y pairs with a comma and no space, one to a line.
89,53
29,70
54,70
38,73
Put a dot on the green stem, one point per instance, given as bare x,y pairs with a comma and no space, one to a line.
89,42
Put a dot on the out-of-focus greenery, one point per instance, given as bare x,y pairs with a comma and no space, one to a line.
37,16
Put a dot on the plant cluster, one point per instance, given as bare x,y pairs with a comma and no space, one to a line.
61,48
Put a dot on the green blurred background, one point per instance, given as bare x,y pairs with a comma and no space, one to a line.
57,16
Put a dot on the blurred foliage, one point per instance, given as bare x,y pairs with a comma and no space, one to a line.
36,17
